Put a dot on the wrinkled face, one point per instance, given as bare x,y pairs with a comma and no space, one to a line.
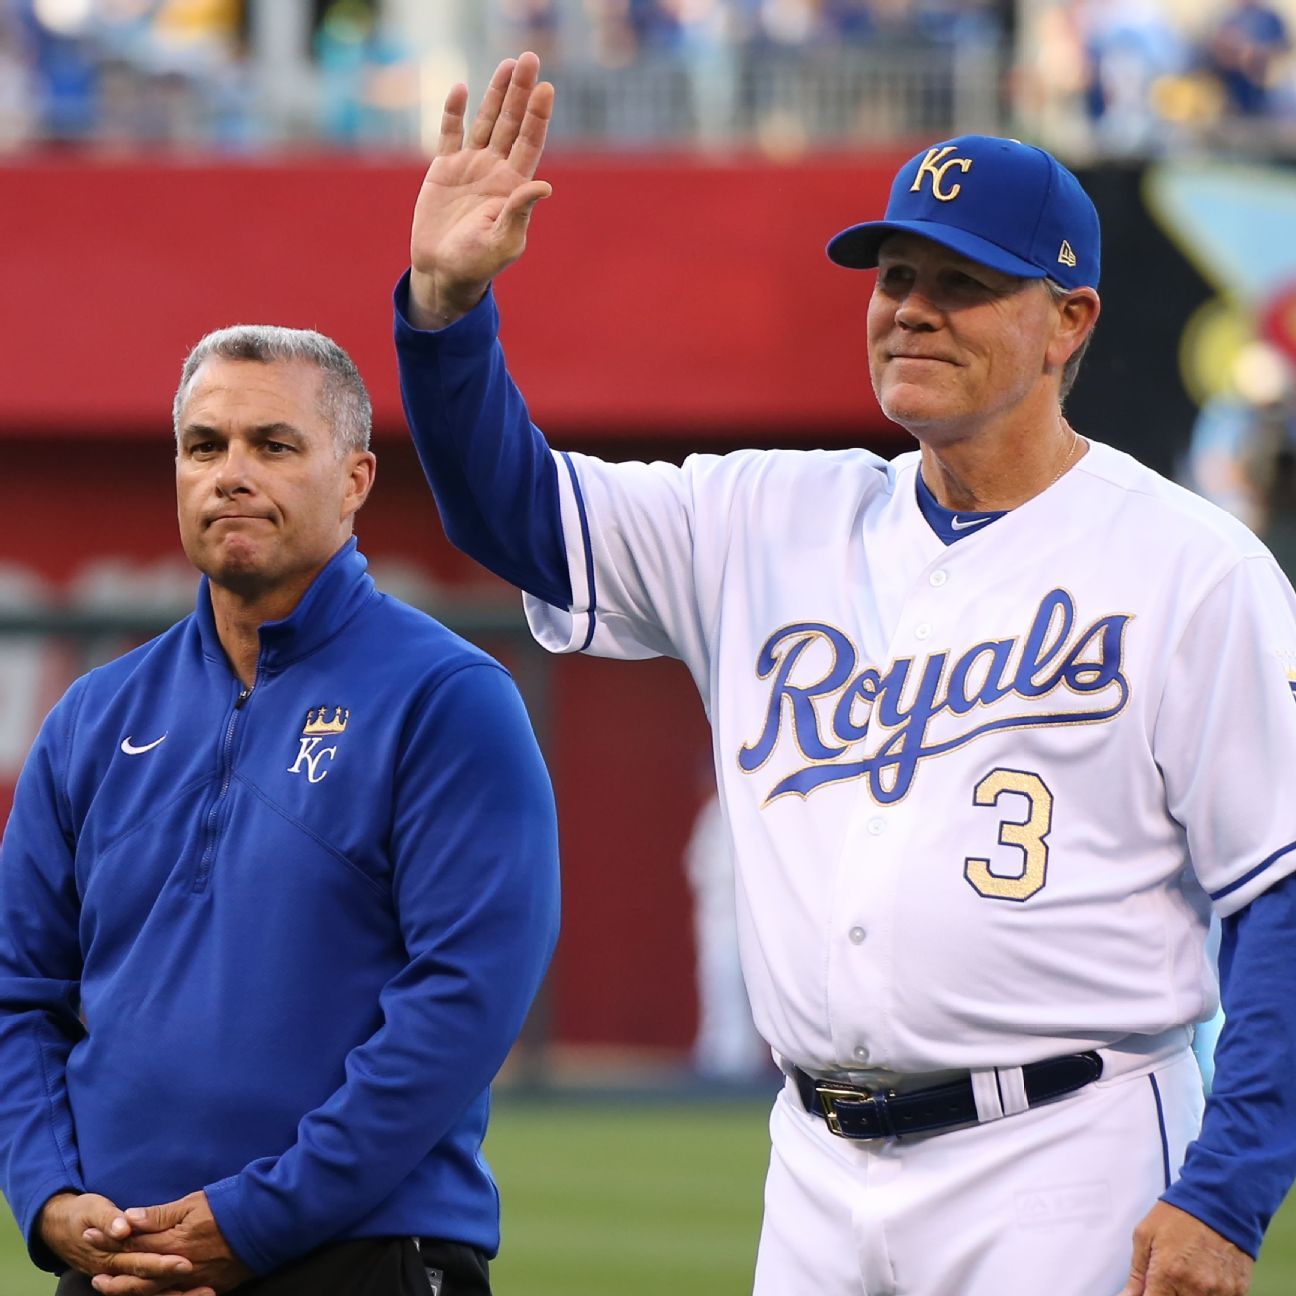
264,499
953,345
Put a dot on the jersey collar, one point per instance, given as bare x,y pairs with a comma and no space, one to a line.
951,524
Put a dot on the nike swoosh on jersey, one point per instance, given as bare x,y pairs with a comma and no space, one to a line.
971,522
131,750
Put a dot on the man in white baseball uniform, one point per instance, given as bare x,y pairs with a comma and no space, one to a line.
997,726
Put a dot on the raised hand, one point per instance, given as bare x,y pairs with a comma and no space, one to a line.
471,218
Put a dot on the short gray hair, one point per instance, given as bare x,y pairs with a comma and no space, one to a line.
1058,295
344,402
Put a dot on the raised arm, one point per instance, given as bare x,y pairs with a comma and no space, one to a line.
471,218
490,469
575,534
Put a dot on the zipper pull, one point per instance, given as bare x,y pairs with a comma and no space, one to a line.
242,697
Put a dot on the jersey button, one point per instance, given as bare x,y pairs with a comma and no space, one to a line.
861,1054
923,631
857,935
938,578
876,826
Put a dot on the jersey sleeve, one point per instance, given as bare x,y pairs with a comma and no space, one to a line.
602,552
492,476
474,849
1225,733
629,533
40,976
1239,1169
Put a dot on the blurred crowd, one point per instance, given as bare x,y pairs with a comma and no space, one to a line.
1147,77
73,71
1243,450
239,74
1099,76
618,33
230,75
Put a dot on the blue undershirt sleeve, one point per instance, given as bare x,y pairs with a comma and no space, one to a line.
1239,1169
474,847
491,471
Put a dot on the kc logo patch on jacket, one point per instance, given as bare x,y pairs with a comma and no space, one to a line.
322,723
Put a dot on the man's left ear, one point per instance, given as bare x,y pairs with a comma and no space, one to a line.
1077,315
360,479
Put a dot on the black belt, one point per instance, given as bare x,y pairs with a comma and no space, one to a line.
855,1112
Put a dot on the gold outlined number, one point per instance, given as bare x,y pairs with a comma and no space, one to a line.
1029,835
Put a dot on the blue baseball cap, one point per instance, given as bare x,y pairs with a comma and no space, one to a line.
1000,202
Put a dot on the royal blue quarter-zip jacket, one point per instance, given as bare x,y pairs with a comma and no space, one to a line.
275,943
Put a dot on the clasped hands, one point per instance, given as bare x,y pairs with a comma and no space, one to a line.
175,1249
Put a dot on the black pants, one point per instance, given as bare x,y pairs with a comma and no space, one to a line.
367,1267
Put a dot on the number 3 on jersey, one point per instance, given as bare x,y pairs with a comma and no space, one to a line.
1029,835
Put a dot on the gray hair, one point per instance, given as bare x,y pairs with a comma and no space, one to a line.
1058,294
344,402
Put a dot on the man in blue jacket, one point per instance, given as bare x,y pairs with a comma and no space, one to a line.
276,893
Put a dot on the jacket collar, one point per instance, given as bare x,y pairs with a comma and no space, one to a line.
333,598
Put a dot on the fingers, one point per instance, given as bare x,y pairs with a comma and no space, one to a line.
129,1274
513,119
102,1241
1137,1282
99,1213
452,121
534,130
514,107
168,1242
107,1227
124,1286
479,134
144,1264
155,1219
150,1290
519,204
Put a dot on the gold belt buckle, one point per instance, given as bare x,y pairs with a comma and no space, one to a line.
828,1095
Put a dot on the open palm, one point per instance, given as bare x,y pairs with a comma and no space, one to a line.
471,217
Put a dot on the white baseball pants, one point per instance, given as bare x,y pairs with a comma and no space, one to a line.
1043,1201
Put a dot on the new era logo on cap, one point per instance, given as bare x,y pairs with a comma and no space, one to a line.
1000,202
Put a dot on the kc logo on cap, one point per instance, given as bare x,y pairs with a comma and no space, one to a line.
935,166
1000,202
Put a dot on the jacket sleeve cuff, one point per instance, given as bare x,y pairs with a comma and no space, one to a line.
226,1207
1215,1215
41,1256
468,335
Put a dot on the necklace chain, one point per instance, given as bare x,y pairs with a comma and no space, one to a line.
1071,449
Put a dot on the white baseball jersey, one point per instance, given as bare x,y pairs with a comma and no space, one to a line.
983,796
